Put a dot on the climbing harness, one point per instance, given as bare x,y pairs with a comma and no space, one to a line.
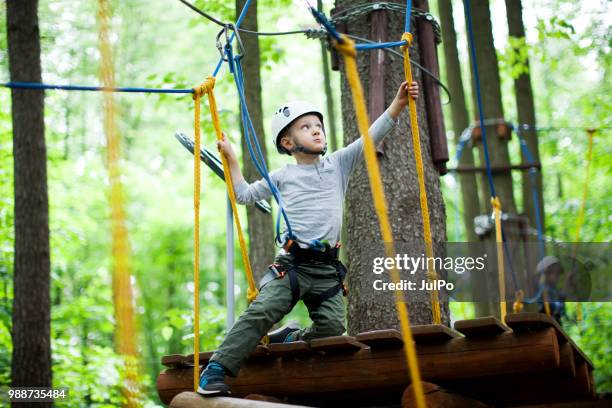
327,255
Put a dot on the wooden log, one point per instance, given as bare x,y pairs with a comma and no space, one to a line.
531,321
369,370
438,397
570,404
190,399
481,327
526,388
431,90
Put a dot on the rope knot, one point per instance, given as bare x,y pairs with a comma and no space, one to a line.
205,87
408,38
496,203
431,275
517,307
346,47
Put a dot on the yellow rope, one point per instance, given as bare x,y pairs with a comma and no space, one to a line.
196,239
347,49
497,211
418,157
580,221
517,306
122,290
208,88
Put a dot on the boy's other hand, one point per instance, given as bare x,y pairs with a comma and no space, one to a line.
401,98
225,147
405,91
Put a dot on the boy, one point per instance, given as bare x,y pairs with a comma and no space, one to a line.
307,267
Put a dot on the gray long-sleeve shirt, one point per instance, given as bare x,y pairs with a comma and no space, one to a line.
313,194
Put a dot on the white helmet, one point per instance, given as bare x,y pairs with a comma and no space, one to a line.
286,114
546,263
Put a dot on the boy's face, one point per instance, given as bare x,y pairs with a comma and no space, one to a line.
306,131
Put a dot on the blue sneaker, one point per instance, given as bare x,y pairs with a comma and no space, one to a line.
285,334
212,380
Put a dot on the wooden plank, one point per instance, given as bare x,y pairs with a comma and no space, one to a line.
190,399
204,357
337,344
481,327
293,348
435,120
368,371
377,339
570,404
433,333
376,95
531,321
438,397
173,360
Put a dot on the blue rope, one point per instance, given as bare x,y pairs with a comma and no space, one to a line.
468,16
329,27
38,85
408,15
374,46
257,154
534,191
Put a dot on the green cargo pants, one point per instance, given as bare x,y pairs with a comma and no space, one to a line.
273,303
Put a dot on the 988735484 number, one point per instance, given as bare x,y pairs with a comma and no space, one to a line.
36,394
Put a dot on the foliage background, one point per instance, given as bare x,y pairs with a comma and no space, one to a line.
163,44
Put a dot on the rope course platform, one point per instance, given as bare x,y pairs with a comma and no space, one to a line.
480,363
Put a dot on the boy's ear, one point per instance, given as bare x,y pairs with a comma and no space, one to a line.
286,142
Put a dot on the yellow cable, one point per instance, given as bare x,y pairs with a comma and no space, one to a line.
122,290
580,221
347,49
208,88
497,211
418,157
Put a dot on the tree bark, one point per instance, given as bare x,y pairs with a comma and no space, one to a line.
526,115
31,300
369,309
261,236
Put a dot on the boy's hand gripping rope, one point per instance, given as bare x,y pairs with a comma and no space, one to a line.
347,48
418,158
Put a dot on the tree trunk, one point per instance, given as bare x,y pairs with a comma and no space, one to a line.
526,115
369,309
31,302
486,59
460,116
261,236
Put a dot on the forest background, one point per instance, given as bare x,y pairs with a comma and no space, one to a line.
164,44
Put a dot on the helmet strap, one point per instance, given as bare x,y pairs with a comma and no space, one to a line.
301,149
